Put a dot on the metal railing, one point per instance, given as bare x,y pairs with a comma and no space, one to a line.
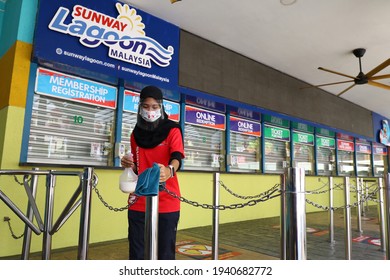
45,226
292,211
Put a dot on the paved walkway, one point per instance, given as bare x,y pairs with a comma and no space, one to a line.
261,238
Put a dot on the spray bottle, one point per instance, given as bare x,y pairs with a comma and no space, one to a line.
128,179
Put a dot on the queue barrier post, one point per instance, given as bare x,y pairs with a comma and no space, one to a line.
293,209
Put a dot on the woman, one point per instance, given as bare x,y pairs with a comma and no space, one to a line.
155,139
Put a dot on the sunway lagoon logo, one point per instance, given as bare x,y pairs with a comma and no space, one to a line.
124,35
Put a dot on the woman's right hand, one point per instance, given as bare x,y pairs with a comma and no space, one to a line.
127,161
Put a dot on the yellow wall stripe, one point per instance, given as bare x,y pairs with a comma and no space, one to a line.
15,66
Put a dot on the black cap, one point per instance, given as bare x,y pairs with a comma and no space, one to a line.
151,91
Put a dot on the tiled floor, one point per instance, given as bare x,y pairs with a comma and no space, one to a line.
256,240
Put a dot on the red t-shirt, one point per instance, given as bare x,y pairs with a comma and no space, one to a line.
144,158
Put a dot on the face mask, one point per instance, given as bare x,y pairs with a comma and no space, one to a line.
150,116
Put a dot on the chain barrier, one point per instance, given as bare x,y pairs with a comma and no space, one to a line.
249,197
115,209
262,197
254,199
318,191
21,183
327,208
267,195
105,203
14,236
364,197
7,219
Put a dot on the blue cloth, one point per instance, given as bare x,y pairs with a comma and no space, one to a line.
148,181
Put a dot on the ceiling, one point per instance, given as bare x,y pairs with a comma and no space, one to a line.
295,39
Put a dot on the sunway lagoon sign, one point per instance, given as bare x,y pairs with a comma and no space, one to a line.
124,35
111,40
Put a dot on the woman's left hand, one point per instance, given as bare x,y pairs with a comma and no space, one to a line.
165,172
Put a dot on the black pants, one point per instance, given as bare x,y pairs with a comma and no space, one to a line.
167,228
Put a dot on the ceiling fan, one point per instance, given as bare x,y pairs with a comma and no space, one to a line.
361,78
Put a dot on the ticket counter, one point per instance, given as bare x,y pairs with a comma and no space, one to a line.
380,159
245,146
276,145
363,159
346,157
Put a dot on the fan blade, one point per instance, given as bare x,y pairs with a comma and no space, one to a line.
380,77
378,68
322,85
348,88
334,72
376,84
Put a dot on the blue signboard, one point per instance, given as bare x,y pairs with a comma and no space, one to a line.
244,113
205,103
64,86
363,148
197,116
131,102
108,37
245,127
379,150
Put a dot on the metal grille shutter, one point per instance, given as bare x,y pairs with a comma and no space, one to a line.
276,156
129,120
203,148
324,157
65,132
304,157
245,152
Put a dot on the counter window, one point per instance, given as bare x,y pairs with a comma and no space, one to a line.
325,156
303,156
72,121
130,110
204,148
244,152
64,132
276,149
244,145
345,158
380,160
363,160
204,135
